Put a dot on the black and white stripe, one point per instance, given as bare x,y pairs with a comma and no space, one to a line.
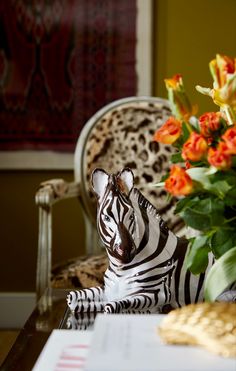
146,271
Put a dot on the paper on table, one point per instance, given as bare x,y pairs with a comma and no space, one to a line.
131,343
65,350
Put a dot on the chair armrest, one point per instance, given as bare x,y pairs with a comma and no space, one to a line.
49,192
54,190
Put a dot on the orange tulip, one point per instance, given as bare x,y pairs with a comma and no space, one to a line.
180,104
219,157
169,132
209,123
175,82
195,148
179,182
230,140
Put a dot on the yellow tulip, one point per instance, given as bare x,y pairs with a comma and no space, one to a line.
223,71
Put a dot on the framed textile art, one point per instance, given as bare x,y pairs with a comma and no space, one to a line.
60,61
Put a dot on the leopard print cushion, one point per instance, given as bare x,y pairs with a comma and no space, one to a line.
86,271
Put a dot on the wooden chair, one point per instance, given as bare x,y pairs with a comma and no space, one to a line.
118,135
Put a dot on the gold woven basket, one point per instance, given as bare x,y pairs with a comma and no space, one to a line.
210,325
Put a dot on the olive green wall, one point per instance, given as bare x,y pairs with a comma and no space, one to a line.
187,35
19,228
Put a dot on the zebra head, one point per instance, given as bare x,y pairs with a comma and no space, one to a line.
115,213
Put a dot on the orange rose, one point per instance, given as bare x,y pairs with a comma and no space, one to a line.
169,132
195,148
209,122
187,165
179,182
230,140
219,157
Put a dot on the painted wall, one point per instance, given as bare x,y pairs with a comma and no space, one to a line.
19,228
186,36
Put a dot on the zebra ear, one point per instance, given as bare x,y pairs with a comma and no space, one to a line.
99,181
127,177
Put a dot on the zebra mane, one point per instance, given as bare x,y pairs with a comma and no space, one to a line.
145,204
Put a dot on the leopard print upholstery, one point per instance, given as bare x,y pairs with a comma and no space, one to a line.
82,272
123,137
120,137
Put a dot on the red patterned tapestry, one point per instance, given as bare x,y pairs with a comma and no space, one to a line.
60,61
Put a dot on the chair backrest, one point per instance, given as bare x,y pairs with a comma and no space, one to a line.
121,135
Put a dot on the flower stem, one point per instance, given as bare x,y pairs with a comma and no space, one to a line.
188,126
230,114
230,220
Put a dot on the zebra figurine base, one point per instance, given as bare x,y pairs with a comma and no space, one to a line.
145,272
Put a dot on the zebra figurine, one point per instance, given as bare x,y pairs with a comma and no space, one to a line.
145,272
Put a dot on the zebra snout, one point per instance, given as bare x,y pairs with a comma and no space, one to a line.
124,253
122,245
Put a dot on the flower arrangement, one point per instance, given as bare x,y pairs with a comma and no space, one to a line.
203,173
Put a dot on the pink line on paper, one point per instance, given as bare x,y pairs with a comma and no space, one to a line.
69,366
74,358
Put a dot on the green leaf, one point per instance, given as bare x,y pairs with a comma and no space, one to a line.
210,180
234,161
205,214
230,198
196,259
183,203
229,176
221,275
222,241
195,219
220,188
176,158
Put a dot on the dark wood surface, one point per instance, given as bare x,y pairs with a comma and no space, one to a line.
36,331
